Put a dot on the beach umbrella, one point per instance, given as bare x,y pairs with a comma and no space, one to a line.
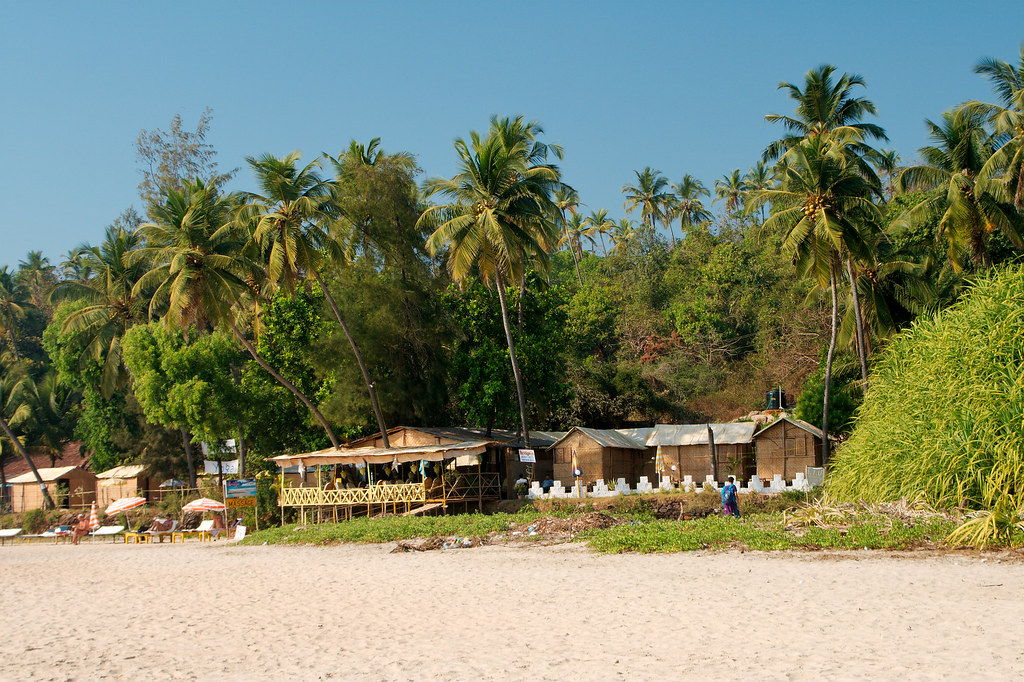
204,504
659,462
94,519
124,504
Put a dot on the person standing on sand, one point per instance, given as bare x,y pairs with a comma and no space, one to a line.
730,506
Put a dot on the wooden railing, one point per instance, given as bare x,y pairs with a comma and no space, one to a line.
374,494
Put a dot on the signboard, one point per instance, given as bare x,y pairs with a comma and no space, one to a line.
212,466
240,493
527,456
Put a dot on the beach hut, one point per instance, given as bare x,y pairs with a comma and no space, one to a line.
687,447
128,480
69,487
787,447
605,454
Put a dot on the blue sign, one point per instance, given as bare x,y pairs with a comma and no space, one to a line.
243,487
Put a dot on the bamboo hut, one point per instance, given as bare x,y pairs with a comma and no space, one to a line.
601,453
129,480
787,447
687,450
69,487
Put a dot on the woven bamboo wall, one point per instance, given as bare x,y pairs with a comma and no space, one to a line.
597,462
786,450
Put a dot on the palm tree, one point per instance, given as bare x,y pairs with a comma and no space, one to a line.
688,206
649,195
111,303
289,223
824,210
969,207
600,224
567,199
13,305
14,410
36,273
756,179
824,105
621,234
1007,119
199,271
498,218
730,189
574,234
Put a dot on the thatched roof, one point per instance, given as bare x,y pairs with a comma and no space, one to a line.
606,438
697,434
799,423
123,471
432,453
48,474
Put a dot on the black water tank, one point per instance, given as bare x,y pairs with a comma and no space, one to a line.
775,399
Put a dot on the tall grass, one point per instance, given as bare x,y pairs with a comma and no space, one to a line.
943,421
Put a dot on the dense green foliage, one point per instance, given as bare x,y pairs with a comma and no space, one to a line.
943,417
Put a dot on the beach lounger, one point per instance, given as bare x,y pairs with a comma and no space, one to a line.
202,530
107,531
8,533
161,534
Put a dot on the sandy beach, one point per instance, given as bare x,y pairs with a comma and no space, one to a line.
217,611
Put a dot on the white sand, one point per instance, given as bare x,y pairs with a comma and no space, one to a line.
222,612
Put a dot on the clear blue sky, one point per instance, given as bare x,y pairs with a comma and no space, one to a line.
682,87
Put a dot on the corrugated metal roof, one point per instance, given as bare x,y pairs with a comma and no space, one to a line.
47,474
123,471
799,423
640,434
608,438
697,434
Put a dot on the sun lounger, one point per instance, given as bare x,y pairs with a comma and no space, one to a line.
8,533
107,531
161,534
202,530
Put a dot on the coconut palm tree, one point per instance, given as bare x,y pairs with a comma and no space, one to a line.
36,273
498,218
289,221
823,209
756,179
1007,119
13,411
566,199
969,207
648,194
111,303
688,206
13,305
199,270
621,234
600,224
730,189
823,105
575,233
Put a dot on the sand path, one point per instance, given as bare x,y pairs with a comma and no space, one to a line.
206,612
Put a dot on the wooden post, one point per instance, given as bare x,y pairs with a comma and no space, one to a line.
714,453
280,498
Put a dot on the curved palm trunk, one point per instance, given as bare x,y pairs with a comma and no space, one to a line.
47,500
359,359
862,349
186,439
671,232
520,391
825,448
287,384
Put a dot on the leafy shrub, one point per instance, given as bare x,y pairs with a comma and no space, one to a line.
34,521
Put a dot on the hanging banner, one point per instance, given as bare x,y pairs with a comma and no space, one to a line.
212,466
527,456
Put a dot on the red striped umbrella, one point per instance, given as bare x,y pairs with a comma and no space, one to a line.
124,504
204,504
94,519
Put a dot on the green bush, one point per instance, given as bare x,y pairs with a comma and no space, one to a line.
942,421
34,521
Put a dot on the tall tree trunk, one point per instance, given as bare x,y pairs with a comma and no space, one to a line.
825,446
520,391
862,349
370,388
671,232
603,249
186,440
572,250
47,500
241,449
519,304
287,384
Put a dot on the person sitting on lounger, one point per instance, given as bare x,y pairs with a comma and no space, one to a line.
81,529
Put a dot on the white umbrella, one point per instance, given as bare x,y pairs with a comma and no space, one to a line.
204,504
124,504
